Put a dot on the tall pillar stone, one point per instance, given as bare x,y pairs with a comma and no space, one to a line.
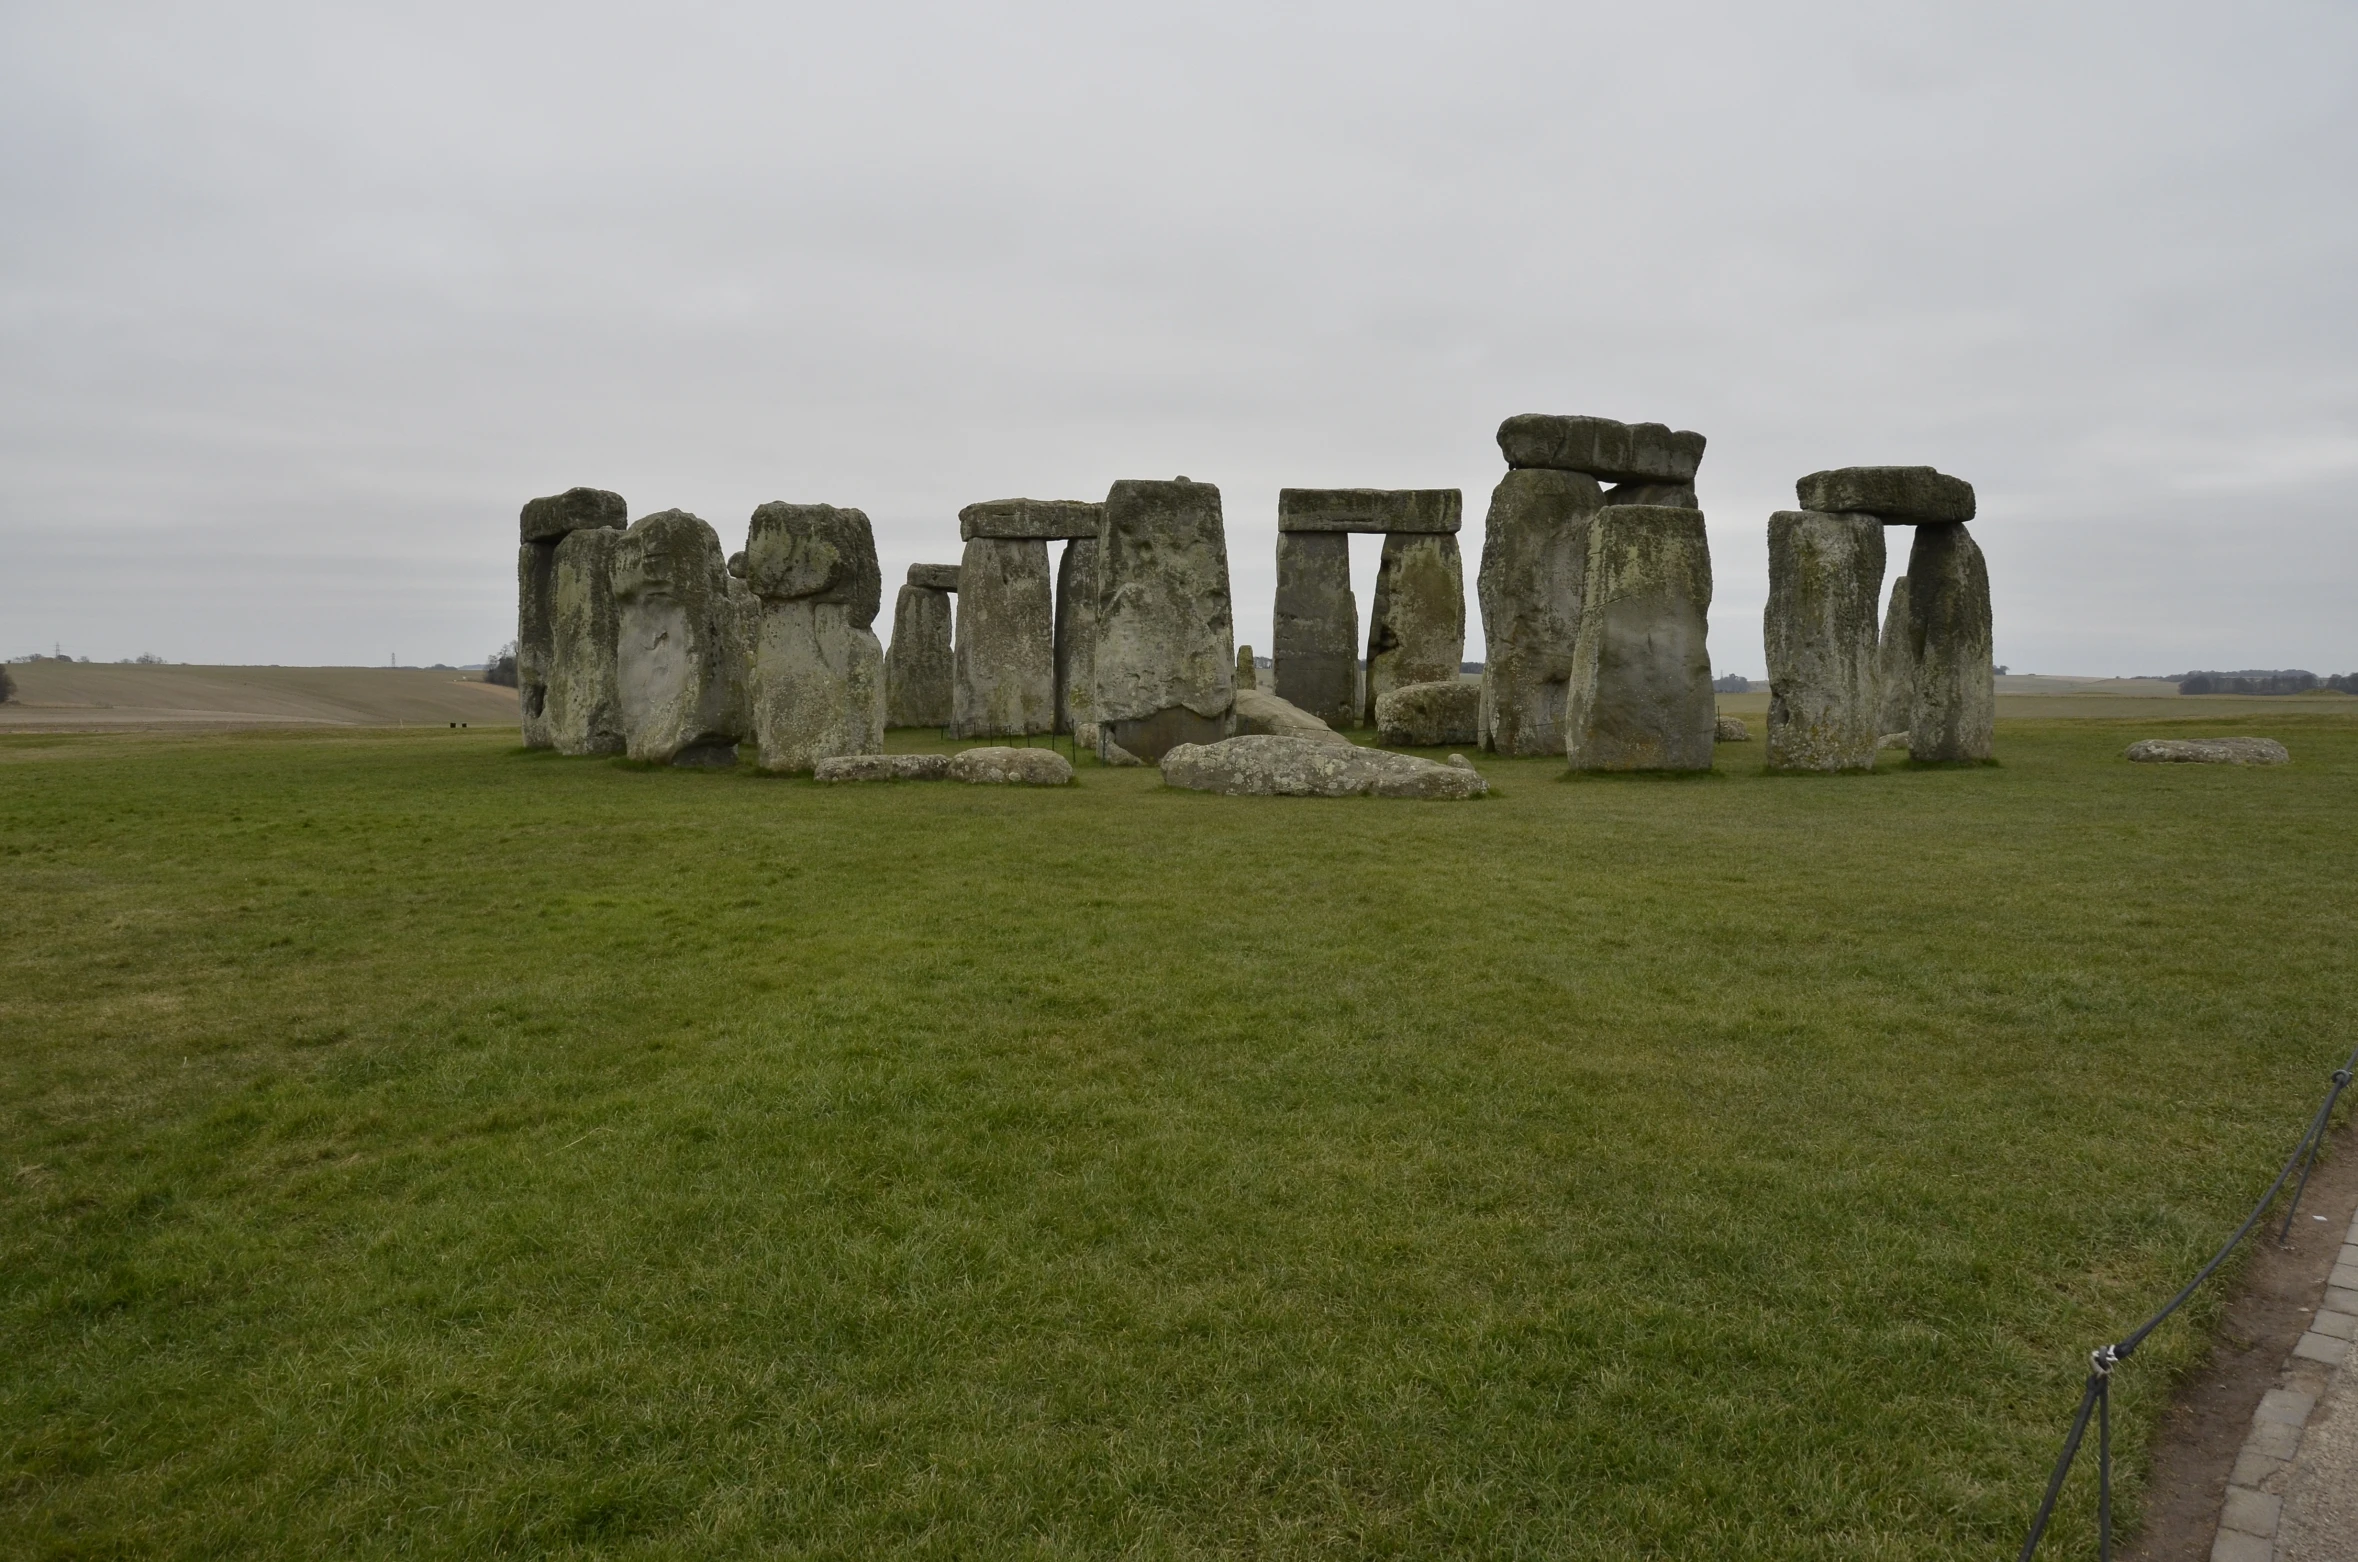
1640,693
1004,682
542,525
1314,633
1417,630
678,664
584,703
1954,710
1895,663
1166,636
1534,559
1825,574
819,672
1076,639
917,674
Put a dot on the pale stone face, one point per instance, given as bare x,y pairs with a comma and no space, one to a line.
1315,629
1417,631
1260,712
1166,642
819,677
679,671
1955,709
1640,694
1534,558
585,696
1307,767
1004,662
1825,574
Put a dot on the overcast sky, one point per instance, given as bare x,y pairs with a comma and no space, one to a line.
301,302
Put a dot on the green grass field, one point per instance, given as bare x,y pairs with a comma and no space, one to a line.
419,1147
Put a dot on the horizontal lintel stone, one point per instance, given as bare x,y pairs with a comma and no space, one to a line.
1608,451
576,509
1383,511
1896,495
1030,520
934,577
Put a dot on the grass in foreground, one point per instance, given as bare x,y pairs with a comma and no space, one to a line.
415,1147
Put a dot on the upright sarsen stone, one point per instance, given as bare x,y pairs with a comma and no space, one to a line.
1825,574
1640,694
1417,630
1004,663
1534,559
1955,705
1314,634
677,664
1076,638
1165,634
541,526
819,671
1895,663
917,664
584,705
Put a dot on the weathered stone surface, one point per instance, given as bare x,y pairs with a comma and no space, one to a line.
1260,712
1459,761
1825,574
1429,715
1307,767
1380,510
1004,667
1011,767
1534,557
1679,496
1315,633
1730,729
1166,642
1030,520
1956,704
819,681
1076,639
1640,696
677,668
737,565
745,631
882,767
559,516
1615,452
934,577
1904,494
584,706
1892,740
1895,664
1417,631
2208,751
1247,675
536,603
917,663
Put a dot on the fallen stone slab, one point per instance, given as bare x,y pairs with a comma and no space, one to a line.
934,577
1825,571
2208,751
1166,640
882,767
1305,767
1030,520
1260,712
1534,560
1416,632
1731,729
1429,715
1314,634
1613,452
1011,767
576,509
1379,510
1904,495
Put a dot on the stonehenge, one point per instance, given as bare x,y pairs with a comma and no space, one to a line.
542,526
1315,630
1417,630
1825,575
1954,712
1534,559
1639,697
1004,660
818,671
917,665
582,705
678,667
1164,673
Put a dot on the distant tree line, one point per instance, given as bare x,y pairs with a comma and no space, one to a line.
2254,680
500,666
1733,683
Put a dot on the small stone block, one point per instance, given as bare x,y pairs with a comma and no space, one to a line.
2321,1347
2273,1440
1030,520
2251,1512
2340,1326
2286,1406
2233,1546
1900,494
2252,1469
934,577
2340,1299
1374,510
2344,1277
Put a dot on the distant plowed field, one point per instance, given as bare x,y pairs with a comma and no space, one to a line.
91,697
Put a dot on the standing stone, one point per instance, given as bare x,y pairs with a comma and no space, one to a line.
1640,695
1534,558
745,633
1076,639
1004,662
917,664
677,664
1956,700
584,705
542,525
1247,676
1895,663
1825,572
1417,632
1166,640
1315,636
820,671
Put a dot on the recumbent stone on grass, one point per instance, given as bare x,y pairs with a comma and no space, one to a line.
2208,751
1307,767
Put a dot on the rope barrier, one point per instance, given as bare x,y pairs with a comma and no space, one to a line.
2096,1398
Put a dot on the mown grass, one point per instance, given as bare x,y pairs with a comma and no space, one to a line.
419,1147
